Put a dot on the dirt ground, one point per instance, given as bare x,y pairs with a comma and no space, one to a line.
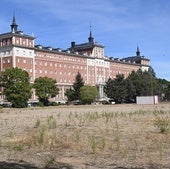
85,137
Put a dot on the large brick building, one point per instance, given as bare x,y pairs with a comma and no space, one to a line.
18,50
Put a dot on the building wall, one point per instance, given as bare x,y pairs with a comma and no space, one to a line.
119,67
61,67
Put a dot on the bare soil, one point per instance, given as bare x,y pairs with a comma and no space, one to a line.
85,137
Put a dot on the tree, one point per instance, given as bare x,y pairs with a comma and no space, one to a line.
142,83
165,89
108,88
70,94
133,86
116,88
17,88
88,94
45,88
74,92
131,91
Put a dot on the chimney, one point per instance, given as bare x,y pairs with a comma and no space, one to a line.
73,44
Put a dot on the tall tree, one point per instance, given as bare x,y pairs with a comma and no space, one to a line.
142,83
16,86
133,85
45,88
116,88
108,88
74,92
165,89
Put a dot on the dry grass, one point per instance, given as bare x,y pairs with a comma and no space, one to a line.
87,137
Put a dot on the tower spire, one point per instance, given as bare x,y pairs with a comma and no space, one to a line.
14,25
137,51
91,39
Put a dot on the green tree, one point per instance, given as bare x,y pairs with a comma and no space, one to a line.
45,88
142,83
131,91
167,93
133,86
108,88
74,92
70,94
88,94
148,84
16,86
116,88
165,89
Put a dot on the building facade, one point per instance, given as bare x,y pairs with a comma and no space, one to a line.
18,50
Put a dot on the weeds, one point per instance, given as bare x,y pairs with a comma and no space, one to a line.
50,161
18,147
118,135
93,144
37,124
51,121
162,123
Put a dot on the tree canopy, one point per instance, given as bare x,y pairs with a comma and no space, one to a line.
45,88
16,86
116,89
88,94
139,83
74,92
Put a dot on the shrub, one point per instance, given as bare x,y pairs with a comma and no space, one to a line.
40,104
162,123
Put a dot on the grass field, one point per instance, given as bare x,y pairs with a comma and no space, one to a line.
86,137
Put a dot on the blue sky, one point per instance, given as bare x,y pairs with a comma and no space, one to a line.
119,25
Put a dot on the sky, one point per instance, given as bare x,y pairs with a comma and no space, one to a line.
119,25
